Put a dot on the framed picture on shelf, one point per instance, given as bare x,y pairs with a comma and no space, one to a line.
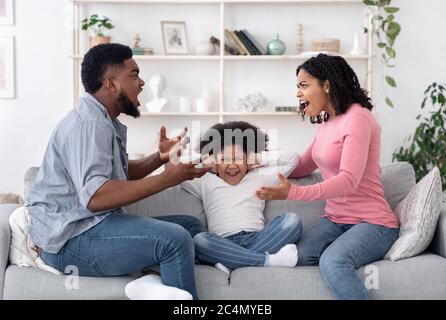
6,67
6,12
174,37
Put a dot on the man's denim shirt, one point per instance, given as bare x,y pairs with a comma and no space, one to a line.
86,149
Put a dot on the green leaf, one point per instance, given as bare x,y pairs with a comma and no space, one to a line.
393,29
390,81
441,99
423,104
391,9
389,102
369,2
381,45
390,52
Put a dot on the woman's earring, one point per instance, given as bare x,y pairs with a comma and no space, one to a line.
326,116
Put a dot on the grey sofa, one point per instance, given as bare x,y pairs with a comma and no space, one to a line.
420,277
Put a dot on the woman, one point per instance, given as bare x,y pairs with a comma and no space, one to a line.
358,226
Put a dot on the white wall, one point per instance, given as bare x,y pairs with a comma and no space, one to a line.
43,71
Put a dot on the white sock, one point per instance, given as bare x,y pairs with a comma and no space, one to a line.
223,268
285,257
150,287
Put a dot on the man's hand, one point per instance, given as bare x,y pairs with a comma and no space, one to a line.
179,172
169,146
279,192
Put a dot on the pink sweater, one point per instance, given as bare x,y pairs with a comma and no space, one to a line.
346,150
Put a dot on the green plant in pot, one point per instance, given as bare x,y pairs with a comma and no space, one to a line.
97,25
427,147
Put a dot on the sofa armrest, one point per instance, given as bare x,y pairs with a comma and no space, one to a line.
5,239
438,244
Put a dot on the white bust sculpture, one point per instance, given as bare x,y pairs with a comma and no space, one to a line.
157,85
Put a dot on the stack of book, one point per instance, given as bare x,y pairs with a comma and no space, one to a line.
287,109
241,42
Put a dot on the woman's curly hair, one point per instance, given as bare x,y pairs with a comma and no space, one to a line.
343,82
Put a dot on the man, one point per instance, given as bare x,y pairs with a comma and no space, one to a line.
75,209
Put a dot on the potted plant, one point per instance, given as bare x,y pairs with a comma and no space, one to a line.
97,26
428,143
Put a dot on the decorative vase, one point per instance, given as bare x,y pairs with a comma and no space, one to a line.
94,41
276,46
185,104
356,48
299,41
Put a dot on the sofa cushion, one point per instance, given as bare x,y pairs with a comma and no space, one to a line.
398,179
27,283
174,200
418,215
420,277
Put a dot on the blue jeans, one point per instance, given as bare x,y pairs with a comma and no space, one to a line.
123,243
340,249
246,249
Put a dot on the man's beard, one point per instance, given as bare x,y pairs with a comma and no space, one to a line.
128,107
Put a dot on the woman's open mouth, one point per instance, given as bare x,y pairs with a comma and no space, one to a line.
304,104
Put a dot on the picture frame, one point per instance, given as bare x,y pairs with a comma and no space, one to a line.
6,12
174,35
7,77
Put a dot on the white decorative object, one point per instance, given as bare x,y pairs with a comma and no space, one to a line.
157,85
251,102
185,104
207,95
202,105
356,51
6,12
7,89
418,214
205,48
299,40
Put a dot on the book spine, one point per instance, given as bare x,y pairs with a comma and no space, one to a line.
255,42
233,42
245,43
228,49
250,43
240,43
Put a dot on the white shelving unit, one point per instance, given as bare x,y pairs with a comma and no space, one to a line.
221,58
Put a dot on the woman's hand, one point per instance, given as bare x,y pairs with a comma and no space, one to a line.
279,192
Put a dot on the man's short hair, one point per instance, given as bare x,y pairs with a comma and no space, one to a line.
98,59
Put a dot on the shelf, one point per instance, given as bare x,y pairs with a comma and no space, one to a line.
216,1
176,114
232,58
163,57
249,114
235,113
225,62
292,57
